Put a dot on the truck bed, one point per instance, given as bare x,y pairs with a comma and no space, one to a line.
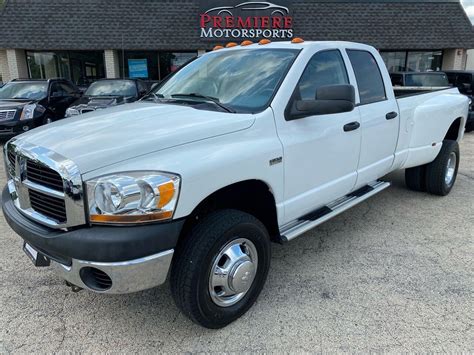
403,91
424,118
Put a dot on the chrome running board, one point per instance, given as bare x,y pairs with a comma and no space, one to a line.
321,215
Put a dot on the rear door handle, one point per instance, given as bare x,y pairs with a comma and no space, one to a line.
391,115
351,126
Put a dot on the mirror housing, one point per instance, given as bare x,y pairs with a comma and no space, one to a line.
329,99
56,94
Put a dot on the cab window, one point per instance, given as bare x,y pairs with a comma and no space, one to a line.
324,68
68,89
368,76
56,90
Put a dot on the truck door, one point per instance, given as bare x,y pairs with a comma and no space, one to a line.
320,155
378,115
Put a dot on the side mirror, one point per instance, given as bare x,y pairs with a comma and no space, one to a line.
56,94
328,100
465,88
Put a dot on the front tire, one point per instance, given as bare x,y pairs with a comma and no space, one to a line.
441,173
47,120
220,268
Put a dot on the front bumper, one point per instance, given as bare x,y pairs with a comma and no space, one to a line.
125,276
134,258
14,127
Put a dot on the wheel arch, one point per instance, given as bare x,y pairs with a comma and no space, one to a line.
455,130
251,196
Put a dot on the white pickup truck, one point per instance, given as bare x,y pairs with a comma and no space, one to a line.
243,146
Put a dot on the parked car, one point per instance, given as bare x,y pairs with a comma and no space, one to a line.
242,147
464,81
107,93
26,104
420,79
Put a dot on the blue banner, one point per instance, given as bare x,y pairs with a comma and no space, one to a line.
137,68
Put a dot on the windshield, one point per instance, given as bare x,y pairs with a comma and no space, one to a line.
112,88
23,90
242,80
429,80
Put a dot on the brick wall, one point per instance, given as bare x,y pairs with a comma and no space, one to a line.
4,72
112,69
17,63
454,59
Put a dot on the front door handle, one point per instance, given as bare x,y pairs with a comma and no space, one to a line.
351,126
391,115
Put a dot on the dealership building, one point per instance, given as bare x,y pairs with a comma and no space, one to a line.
85,40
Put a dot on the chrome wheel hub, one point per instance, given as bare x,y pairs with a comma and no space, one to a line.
450,168
233,272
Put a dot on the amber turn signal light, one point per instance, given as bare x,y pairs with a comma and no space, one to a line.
217,48
264,41
231,44
297,40
246,43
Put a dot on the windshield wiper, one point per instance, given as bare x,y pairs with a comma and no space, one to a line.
214,100
156,97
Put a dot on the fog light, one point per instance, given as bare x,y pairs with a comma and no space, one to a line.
95,279
26,128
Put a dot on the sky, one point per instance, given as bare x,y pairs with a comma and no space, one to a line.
469,6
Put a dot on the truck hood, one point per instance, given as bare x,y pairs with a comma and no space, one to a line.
123,132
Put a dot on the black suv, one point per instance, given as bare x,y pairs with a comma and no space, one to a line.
107,93
29,103
464,81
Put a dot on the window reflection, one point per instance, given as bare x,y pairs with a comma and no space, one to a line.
81,67
112,88
243,79
412,60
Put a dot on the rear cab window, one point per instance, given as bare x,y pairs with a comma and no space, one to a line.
369,79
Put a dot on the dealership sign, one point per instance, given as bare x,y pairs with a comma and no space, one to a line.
221,19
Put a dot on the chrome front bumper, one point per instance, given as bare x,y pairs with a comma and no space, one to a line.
126,276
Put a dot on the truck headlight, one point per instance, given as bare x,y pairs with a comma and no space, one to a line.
71,112
28,112
132,197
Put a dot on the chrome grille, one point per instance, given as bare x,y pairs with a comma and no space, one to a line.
44,185
6,115
43,175
49,206
11,163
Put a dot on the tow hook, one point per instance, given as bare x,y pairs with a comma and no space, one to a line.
74,288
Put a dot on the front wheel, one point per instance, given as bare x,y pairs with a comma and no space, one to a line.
441,173
220,268
47,120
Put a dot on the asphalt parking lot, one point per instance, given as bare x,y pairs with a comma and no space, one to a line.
395,273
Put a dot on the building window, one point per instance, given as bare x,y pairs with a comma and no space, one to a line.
423,61
81,67
151,65
412,60
395,61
